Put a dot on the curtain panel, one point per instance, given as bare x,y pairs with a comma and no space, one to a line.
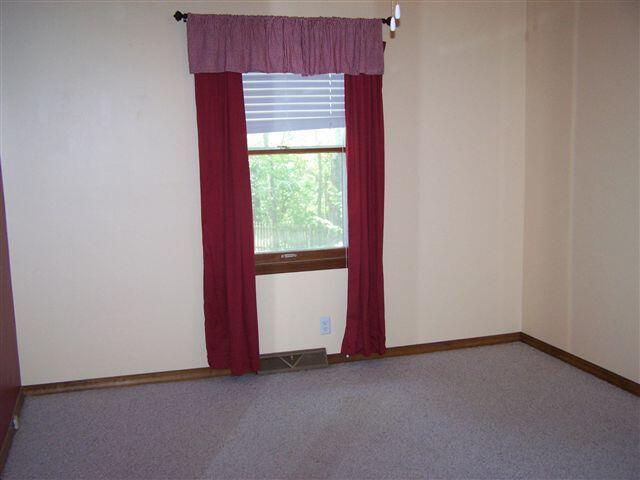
365,329
269,44
231,320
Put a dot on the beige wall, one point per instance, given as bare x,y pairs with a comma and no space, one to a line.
99,147
581,216
605,325
549,94
454,93
99,150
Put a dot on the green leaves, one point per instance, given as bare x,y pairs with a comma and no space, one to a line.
297,201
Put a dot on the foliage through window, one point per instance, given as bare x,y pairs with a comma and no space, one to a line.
296,139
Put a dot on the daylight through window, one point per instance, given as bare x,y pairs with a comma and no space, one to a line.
296,139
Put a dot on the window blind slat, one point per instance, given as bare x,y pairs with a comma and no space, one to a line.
293,107
292,85
295,114
339,99
290,92
288,102
286,77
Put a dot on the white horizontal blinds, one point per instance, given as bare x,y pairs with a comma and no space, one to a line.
282,102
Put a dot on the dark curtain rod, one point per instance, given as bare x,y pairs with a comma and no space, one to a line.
183,16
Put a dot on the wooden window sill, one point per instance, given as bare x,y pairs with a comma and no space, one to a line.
300,261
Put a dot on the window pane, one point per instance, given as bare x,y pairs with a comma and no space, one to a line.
298,201
325,137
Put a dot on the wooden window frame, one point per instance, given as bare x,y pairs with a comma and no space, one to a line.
300,260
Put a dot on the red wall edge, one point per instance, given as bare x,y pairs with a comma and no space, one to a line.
9,366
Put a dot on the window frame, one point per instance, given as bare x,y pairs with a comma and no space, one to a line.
299,260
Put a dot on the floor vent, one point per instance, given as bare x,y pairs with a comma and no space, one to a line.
293,361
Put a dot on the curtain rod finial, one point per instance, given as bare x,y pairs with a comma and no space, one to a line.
180,16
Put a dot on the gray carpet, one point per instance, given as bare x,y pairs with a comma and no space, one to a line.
505,411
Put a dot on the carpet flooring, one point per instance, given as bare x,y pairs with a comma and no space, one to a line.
505,411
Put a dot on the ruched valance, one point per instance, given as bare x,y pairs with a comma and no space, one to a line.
269,44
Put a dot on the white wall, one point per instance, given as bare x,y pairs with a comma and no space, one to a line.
582,158
101,178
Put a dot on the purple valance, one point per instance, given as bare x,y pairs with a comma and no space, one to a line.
307,46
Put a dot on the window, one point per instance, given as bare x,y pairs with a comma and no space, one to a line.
296,138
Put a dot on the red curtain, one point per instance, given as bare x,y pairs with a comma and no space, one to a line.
231,321
365,332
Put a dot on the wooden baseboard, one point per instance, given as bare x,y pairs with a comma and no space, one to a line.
124,381
430,347
8,438
200,373
582,364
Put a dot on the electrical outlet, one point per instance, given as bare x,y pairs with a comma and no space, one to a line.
325,325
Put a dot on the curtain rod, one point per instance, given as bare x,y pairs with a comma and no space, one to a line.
183,16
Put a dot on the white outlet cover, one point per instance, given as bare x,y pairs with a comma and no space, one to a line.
325,325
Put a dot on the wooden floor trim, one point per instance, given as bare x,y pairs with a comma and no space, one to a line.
8,438
430,347
124,381
200,373
602,373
